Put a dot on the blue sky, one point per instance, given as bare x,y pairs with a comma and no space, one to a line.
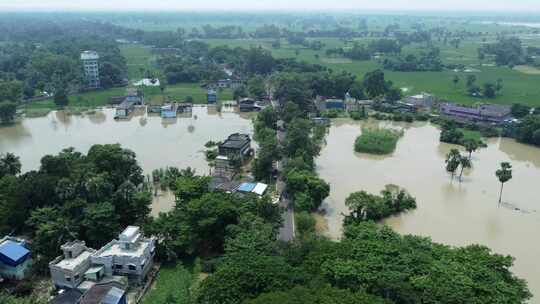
476,5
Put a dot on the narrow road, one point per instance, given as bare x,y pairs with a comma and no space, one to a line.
287,232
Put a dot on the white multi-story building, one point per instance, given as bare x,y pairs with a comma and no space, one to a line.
131,256
90,61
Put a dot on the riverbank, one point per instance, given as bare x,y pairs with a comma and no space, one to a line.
101,98
449,212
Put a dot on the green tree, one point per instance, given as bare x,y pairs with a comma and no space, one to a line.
471,145
453,161
239,93
375,84
490,90
455,81
101,224
504,174
305,223
357,90
246,277
187,188
8,110
256,87
61,97
465,162
10,164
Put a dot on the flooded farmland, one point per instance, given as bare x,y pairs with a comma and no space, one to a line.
448,212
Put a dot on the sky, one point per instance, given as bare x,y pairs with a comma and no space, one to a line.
395,5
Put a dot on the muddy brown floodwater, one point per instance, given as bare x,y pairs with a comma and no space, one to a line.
448,212
157,142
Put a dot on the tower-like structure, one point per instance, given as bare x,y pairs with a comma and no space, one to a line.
90,61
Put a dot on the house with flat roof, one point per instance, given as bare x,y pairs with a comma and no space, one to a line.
15,259
68,270
487,113
131,255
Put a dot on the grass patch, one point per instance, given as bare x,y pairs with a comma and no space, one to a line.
174,282
377,141
471,135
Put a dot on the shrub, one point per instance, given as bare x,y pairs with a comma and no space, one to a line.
377,141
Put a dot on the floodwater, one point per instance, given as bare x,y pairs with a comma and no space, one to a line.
157,142
449,212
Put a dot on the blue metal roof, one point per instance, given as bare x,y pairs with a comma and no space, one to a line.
13,253
246,187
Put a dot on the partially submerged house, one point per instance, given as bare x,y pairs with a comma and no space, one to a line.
124,109
421,102
486,113
248,105
211,96
169,111
323,103
15,259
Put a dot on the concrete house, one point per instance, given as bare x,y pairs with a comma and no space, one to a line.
68,270
90,62
124,109
15,259
211,96
236,145
132,255
487,113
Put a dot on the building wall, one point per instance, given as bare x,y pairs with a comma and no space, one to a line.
16,273
60,276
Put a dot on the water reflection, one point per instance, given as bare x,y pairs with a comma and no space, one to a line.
97,117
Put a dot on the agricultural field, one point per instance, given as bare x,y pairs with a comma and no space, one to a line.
520,84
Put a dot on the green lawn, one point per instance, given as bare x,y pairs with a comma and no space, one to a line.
139,59
469,134
173,282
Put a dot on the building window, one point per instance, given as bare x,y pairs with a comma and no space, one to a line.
68,279
118,266
76,277
132,267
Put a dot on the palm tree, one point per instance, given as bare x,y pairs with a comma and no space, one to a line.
465,162
504,174
471,146
452,161
9,164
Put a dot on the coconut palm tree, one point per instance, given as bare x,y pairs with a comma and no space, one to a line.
471,146
504,174
9,164
465,162
452,161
